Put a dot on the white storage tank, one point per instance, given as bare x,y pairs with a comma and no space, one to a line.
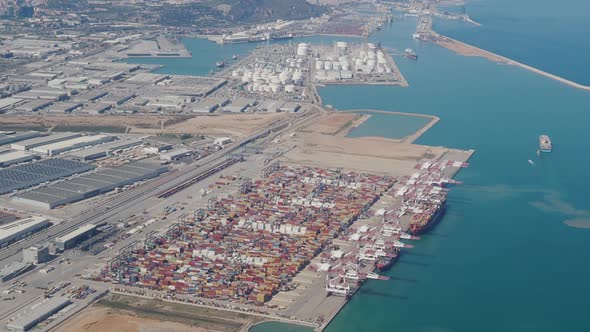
302,49
319,65
327,65
336,65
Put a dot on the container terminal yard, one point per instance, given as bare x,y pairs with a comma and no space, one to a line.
253,227
234,193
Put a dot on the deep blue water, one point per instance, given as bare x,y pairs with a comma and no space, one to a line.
549,35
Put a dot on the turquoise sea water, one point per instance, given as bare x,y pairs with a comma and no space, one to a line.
503,258
550,35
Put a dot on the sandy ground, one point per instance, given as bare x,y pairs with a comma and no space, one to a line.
330,125
468,50
314,147
220,124
100,319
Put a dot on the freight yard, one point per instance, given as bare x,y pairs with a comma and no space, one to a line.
217,201
262,230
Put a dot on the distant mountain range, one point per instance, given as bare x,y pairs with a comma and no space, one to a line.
200,13
272,10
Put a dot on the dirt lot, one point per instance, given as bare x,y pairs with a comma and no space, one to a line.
317,145
129,313
101,319
333,124
234,125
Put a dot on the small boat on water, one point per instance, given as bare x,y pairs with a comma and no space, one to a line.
545,144
410,54
235,57
220,64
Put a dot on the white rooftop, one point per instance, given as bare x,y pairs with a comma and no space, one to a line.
81,230
15,227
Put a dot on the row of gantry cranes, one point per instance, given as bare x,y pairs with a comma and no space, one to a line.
378,247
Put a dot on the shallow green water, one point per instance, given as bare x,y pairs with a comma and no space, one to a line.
388,125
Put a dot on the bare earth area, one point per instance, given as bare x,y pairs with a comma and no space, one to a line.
100,319
123,313
315,147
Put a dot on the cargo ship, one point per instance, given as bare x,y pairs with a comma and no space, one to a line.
545,143
410,54
423,222
385,262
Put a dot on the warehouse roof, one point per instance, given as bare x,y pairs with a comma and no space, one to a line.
15,155
39,311
79,231
37,141
15,227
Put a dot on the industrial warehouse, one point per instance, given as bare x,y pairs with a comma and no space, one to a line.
15,230
28,175
90,185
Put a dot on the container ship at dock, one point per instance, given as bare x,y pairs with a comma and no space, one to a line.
423,222
384,263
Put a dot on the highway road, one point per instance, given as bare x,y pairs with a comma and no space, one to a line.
126,204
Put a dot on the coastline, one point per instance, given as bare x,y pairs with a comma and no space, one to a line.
465,49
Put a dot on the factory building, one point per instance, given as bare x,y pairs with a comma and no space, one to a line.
47,93
290,107
31,174
64,107
11,138
221,141
104,150
90,185
38,141
13,270
38,313
209,105
239,105
7,103
16,230
98,108
71,239
36,254
157,148
174,155
72,144
34,105
16,157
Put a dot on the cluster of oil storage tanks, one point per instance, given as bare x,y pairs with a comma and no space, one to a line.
372,60
270,79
